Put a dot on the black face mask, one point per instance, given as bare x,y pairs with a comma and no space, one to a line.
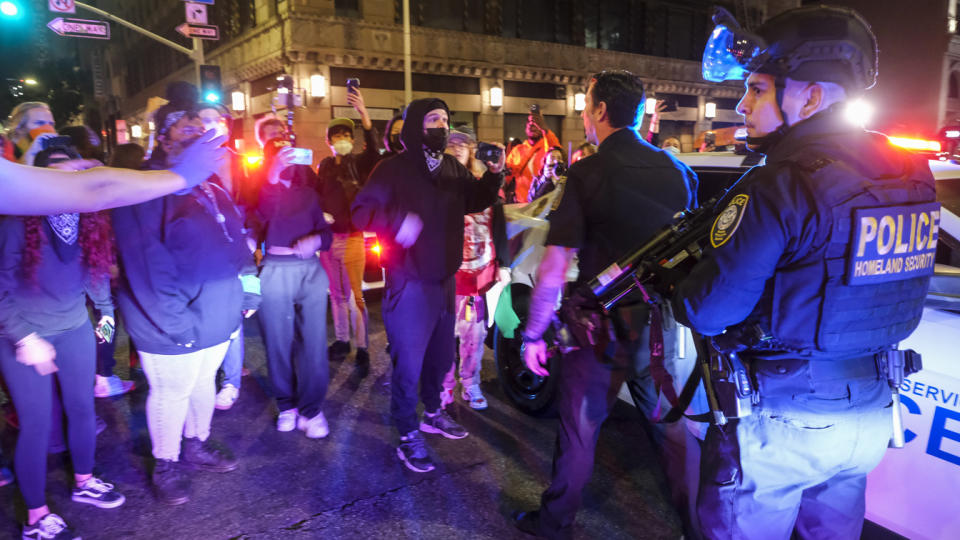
435,139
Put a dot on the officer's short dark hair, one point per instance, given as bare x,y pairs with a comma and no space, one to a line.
623,93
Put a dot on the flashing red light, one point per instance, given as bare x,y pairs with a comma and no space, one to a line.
915,144
253,159
375,248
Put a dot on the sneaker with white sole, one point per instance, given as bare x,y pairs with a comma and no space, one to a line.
474,397
49,527
98,493
226,397
441,423
111,386
412,451
315,428
287,420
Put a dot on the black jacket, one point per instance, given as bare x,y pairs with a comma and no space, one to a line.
403,184
339,184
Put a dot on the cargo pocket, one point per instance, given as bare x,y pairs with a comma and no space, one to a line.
720,477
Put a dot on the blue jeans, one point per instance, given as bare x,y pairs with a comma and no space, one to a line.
232,367
799,462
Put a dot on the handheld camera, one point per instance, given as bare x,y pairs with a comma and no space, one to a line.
487,152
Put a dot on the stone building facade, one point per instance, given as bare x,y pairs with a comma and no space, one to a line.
457,55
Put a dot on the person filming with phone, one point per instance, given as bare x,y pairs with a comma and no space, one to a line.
340,178
526,159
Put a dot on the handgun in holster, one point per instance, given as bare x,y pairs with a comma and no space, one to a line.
732,385
583,325
896,365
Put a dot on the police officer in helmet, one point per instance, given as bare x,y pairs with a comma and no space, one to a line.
804,257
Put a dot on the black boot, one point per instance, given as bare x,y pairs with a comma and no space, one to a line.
208,455
339,350
363,363
170,484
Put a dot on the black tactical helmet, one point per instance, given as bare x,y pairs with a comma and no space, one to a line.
814,43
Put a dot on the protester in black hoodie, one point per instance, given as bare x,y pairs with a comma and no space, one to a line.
415,202
181,298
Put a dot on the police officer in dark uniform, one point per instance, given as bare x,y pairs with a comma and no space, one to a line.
819,265
611,201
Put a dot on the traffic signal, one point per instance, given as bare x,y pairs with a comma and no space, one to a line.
10,9
210,83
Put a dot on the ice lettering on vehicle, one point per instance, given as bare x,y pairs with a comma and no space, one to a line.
945,421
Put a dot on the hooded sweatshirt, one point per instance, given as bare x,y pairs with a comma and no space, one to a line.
404,183
180,290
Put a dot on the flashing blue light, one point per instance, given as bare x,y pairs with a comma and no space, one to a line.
212,97
9,9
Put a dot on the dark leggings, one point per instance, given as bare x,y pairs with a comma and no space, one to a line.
32,396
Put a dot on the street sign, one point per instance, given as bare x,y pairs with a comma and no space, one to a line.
202,31
196,13
80,28
62,6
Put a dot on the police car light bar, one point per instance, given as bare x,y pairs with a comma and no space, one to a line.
915,144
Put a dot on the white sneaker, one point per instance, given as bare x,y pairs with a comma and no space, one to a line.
316,427
287,420
474,396
227,396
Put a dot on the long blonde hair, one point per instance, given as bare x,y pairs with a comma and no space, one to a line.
18,117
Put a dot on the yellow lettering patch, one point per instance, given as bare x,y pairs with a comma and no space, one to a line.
891,243
728,221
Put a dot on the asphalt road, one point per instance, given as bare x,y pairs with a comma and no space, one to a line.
351,484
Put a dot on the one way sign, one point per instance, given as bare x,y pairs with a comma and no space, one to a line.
80,28
202,31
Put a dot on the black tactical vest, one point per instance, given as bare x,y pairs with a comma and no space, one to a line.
864,290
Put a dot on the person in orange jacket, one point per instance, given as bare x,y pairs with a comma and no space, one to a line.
526,159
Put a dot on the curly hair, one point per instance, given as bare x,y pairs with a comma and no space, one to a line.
96,241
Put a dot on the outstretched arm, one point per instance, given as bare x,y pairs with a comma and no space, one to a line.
77,187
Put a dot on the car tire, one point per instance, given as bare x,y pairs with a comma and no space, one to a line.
531,393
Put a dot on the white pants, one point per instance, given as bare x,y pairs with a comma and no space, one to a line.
182,393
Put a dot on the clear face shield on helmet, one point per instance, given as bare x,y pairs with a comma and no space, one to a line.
731,52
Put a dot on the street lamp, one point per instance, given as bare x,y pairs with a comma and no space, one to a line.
238,100
710,110
496,97
579,101
318,86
